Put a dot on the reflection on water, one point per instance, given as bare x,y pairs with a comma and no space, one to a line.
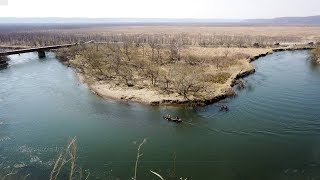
272,130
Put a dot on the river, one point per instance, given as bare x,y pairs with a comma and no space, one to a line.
272,130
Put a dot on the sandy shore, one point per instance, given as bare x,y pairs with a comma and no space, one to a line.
153,97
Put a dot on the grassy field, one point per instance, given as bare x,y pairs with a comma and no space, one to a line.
194,35
284,34
307,32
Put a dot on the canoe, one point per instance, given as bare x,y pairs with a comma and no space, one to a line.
176,120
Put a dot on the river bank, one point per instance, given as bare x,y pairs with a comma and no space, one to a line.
150,96
43,105
315,54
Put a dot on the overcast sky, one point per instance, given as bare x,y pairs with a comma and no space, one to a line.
225,9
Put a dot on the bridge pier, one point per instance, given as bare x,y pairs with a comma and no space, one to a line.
41,54
3,61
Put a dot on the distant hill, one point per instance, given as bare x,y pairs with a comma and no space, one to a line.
311,20
52,20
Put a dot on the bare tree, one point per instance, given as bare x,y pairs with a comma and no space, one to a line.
226,53
126,74
153,45
187,83
159,56
152,71
176,46
167,77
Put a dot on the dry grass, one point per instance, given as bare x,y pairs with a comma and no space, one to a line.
287,31
194,35
137,159
220,78
69,156
157,174
64,158
221,51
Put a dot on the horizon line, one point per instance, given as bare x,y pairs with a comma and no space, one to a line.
166,18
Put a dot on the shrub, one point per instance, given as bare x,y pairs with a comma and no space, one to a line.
219,78
315,54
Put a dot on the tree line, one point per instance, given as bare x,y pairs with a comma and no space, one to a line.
41,37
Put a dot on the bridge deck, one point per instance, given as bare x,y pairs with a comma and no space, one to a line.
45,48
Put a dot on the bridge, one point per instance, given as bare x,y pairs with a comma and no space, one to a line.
41,52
